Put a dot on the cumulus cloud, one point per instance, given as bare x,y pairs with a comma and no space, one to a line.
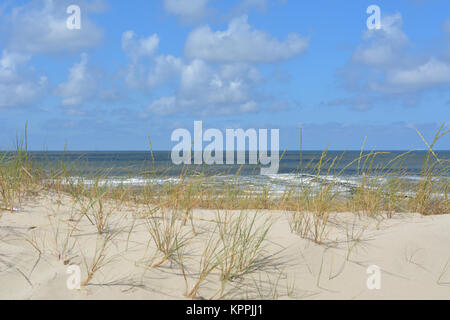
86,84
382,48
205,89
146,69
242,43
164,106
431,73
189,11
384,67
81,84
199,79
19,87
35,28
40,27
138,48
164,69
218,74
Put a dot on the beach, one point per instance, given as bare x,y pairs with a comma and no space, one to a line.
52,232
240,150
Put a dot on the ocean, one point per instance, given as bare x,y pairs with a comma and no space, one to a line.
296,168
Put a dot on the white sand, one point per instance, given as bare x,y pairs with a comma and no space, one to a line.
412,251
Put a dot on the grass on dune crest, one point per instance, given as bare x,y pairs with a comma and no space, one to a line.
20,176
381,189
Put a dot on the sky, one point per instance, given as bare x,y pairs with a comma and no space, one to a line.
139,69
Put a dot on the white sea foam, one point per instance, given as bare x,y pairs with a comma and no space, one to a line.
276,184
117,181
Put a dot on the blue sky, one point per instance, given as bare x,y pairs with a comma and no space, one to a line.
144,68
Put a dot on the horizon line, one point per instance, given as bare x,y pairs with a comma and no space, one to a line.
281,151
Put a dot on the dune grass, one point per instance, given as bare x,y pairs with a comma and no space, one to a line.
234,247
19,176
382,191
167,234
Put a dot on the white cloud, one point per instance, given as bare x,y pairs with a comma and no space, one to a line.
164,69
39,27
17,88
218,75
189,11
205,89
241,43
12,60
226,88
382,48
147,70
250,106
385,66
429,74
164,106
138,48
81,84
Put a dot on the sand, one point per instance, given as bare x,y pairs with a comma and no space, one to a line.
411,251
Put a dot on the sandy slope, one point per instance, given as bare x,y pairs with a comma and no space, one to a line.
412,251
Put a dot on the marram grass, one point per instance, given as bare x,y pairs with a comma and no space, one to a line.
235,249
21,177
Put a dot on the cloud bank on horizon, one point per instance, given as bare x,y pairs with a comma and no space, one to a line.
155,66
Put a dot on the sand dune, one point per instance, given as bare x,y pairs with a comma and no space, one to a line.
36,249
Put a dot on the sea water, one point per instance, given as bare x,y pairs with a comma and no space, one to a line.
297,169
